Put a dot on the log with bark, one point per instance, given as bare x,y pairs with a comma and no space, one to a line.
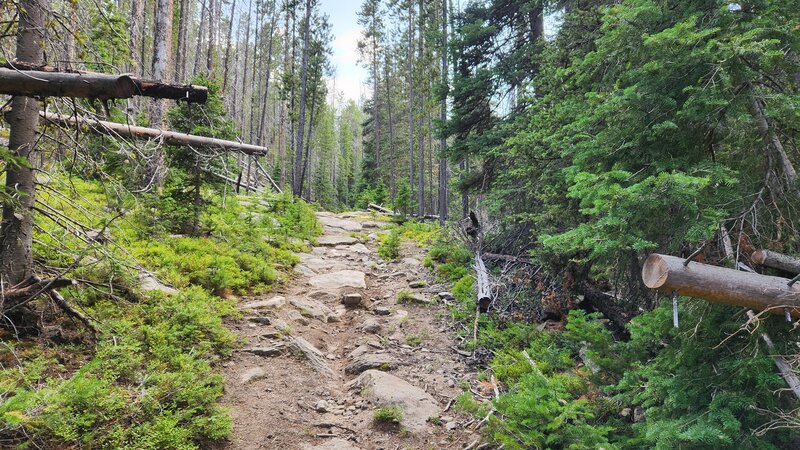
720,285
776,260
169,137
48,82
379,208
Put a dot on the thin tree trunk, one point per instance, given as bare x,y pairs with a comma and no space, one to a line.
392,158
212,31
228,49
137,11
262,123
298,151
246,62
16,230
410,69
310,129
251,128
198,50
162,65
421,137
183,29
443,139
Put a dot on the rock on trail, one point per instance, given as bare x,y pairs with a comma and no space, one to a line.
324,352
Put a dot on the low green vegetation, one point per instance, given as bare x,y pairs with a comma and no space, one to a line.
706,384
388,415
389,247
149,380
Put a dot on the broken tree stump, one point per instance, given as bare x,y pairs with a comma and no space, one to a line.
721,285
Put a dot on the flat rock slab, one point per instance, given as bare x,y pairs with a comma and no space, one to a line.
311,308
333,444
276,302
312,354
332,241
339,279
317,264
342,224
383,389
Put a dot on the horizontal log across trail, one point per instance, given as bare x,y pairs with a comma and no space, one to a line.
51,83
168,137
721,285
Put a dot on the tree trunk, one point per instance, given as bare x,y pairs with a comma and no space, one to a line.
262,124
198,49
421,137
310,129
162,65
410,70
720,285
183,30
137,11
443,117
392,157
298,151
246,63
16,230
228,49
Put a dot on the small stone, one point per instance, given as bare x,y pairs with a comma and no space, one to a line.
271,334
273,350
297,317
281,325
451,383
446,295
418,284
352,299
320,295
252,374
450,426
371,326
321,406
260,320
382,311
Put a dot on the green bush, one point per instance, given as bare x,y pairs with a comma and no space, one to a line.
389,247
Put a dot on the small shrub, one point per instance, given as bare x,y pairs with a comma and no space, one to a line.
389,248
389,415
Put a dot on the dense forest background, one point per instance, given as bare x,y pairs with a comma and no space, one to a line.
631,126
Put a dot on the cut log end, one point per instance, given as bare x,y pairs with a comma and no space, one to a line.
655,272
758,257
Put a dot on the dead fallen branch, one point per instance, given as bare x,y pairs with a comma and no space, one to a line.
34,287
168,137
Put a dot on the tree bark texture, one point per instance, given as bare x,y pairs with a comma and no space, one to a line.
16,229
720,285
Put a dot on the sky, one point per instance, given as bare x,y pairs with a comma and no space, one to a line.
350,76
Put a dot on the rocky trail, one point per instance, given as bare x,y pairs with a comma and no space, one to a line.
334,347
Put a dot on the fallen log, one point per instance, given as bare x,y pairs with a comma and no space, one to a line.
380,208
720,285
169,137
776,260
51,83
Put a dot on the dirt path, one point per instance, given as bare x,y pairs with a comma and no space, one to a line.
304,379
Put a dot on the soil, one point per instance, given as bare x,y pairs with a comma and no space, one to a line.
293,400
